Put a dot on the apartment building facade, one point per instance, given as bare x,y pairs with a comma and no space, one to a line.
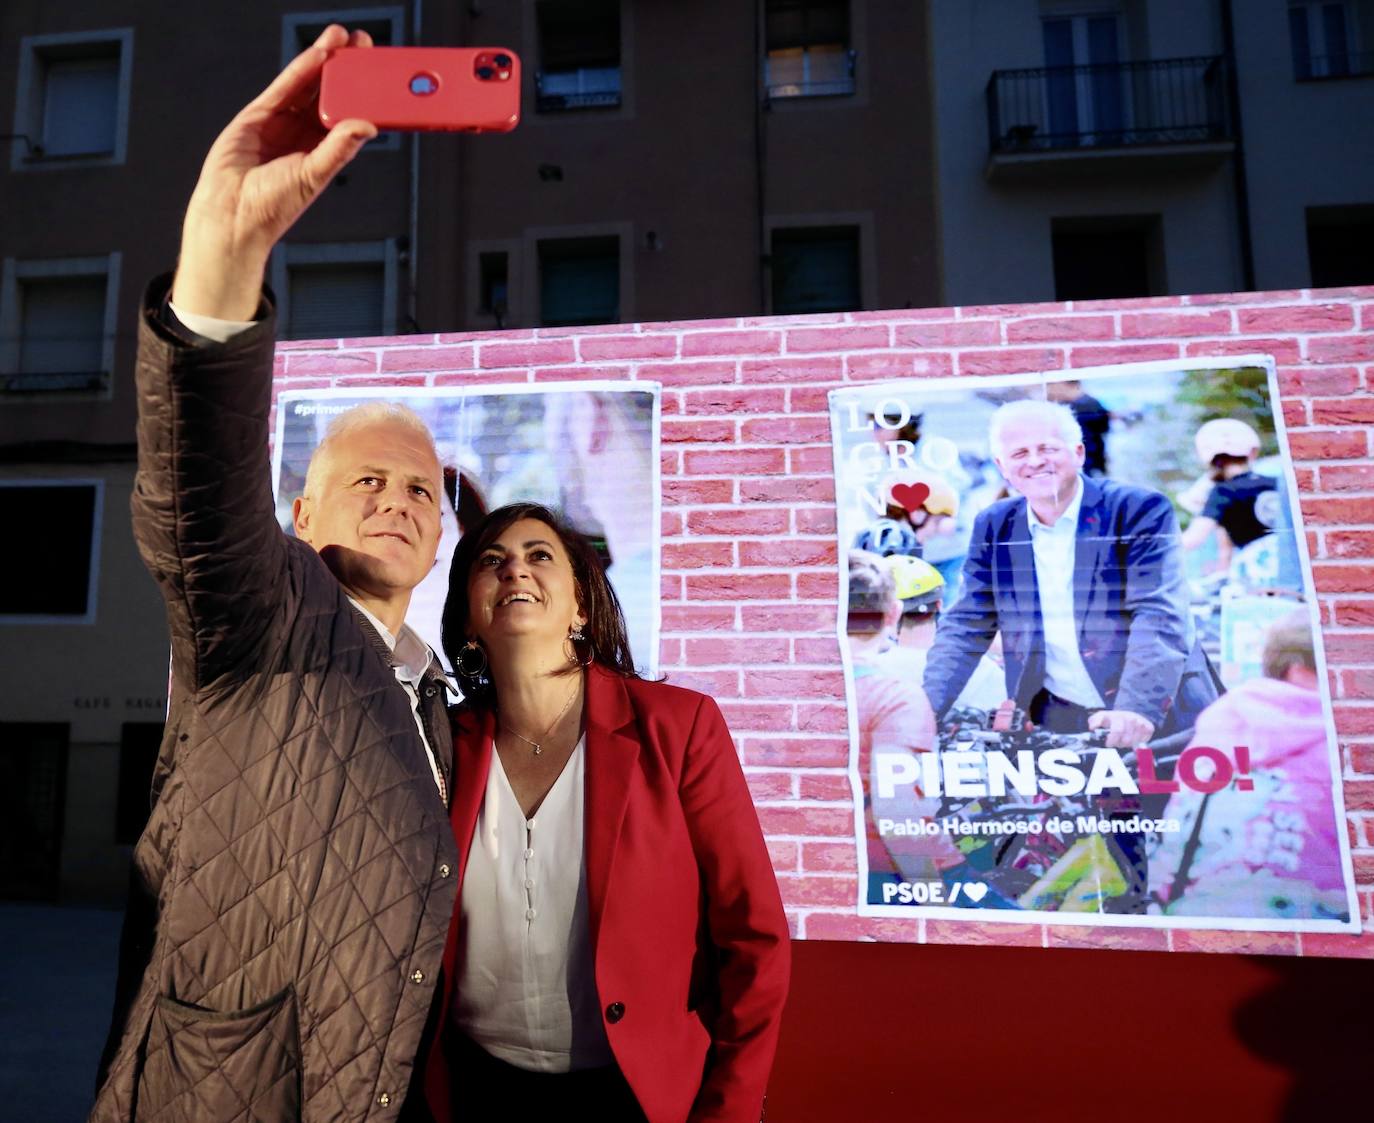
674,161
1112,148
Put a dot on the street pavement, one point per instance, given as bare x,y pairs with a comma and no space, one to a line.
57,968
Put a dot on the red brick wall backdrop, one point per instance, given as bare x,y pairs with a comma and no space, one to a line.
749,553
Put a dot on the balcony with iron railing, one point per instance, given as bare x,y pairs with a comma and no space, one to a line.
1164,110
585,87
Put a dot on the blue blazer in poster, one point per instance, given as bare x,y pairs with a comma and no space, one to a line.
1072,698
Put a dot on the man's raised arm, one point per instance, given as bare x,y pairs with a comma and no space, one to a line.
203,513
268,165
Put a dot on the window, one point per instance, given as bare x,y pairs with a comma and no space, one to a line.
579,281
579,54
494,282
139,742
52,579
1102,258
807,48
1085,89
73,103
815,269
1328,38
385,25
57,325
334,291
1340,246
301,29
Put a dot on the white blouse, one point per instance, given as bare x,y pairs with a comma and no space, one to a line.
526,982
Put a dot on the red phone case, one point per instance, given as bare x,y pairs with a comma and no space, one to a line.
441,89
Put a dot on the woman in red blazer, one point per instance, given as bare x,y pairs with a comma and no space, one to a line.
619,947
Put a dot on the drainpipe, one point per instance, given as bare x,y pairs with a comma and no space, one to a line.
1247,249
760,151
413,295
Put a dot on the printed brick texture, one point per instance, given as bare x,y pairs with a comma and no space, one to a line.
749,559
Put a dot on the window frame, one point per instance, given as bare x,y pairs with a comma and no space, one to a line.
544,104
88,618
291,22
803,94
531,49
862,221
1358,21
483,318
530,279
13,273
289,254
35,51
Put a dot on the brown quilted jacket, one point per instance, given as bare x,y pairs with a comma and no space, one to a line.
294,886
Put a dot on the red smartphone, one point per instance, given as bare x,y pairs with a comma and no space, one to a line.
423,89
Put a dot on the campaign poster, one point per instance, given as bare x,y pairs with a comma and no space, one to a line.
1085,677
586,449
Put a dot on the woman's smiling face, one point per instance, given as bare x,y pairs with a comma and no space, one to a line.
522,585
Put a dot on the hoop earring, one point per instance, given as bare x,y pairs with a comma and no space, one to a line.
576,636
463,663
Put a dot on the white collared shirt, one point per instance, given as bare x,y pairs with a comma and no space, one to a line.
411,659
526,988
1053,547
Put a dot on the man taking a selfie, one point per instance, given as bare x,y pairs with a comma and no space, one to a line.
292,892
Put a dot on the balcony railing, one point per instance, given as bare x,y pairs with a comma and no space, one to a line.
1118,105
53,382
809,72
1347,64
585,88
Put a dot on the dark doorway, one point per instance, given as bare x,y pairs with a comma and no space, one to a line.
1340,246
1106,258
33,776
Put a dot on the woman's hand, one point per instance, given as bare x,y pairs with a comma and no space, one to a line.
268,165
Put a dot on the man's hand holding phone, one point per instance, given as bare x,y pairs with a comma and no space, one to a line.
267,166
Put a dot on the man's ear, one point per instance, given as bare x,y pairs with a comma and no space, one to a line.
300,517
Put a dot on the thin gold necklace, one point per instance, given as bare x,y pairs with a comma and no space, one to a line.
538,746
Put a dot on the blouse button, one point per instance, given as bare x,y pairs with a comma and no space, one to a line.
529,824
530,914
529,853
529,883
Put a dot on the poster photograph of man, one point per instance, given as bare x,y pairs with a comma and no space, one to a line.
588,448
1085,677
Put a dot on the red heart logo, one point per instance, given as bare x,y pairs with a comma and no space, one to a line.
911,497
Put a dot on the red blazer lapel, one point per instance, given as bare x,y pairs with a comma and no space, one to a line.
612,755
472,748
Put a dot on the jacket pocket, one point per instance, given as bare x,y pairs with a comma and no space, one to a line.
202,1066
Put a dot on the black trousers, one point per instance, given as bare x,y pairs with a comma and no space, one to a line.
486,1088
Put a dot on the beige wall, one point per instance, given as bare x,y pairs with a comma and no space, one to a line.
995,234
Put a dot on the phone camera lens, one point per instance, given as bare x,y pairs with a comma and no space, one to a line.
486,73
503,61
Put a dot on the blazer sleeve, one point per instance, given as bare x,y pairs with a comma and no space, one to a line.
745,919
203,513
964,633
1156,601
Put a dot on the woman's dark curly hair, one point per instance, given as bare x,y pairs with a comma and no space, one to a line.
606,642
